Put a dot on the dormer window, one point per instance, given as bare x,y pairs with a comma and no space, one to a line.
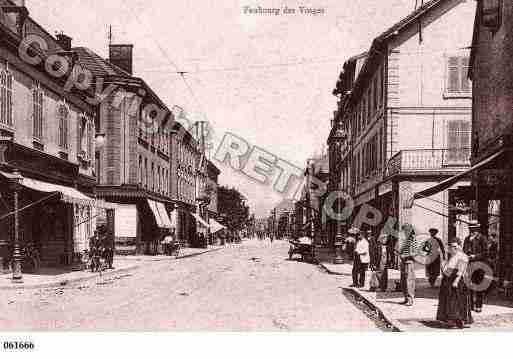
492,14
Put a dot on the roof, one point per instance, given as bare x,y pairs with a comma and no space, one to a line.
96,64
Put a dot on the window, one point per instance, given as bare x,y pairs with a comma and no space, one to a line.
37,112
369,103
457,79
152,177
146,179
6,98
140,171
63,115
85,137
458,141
492,14
376,92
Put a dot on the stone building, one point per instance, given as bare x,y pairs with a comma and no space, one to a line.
491,71
133,167
407,112
47,143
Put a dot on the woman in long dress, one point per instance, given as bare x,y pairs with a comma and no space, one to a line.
454,299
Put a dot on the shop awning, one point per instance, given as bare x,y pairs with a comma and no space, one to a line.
200,220
160,214
68,194
451,181
215,226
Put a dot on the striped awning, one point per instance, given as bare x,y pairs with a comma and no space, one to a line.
67,194
160,214
200,220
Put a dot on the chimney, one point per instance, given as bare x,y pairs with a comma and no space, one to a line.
64,41
121,56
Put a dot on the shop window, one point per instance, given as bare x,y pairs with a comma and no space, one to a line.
458,82
6,81
37,112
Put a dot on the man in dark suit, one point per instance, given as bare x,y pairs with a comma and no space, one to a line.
476,248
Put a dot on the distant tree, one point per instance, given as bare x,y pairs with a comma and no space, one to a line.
232,204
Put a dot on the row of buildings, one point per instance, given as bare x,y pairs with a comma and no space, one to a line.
422,129
84,141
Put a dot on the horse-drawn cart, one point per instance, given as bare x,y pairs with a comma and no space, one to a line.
302,246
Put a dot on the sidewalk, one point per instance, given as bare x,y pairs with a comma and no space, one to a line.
57,277
184,253
497,313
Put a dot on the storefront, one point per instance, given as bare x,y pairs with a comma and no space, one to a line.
54,219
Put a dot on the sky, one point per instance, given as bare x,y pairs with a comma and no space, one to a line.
265,78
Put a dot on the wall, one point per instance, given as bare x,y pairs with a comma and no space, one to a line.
418,74
493,76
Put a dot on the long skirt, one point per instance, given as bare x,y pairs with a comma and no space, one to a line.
454,303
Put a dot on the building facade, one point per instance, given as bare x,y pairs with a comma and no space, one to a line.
491,72
133,166
47,144
407,111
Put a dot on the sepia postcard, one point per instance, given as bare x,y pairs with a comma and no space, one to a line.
262,166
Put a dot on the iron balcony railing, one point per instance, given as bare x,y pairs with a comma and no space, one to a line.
428,160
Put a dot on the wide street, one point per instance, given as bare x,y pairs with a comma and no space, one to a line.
251,286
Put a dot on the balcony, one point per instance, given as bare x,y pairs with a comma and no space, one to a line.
428,161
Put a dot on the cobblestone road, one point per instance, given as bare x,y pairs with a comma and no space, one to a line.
251,286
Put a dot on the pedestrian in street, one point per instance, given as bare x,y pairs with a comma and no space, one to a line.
435,251
361,260
454,297
476,248
380,264
407,252
350,243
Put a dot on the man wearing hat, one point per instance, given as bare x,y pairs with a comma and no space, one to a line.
361,260
435,254
476,248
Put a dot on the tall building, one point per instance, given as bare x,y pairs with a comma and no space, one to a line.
491,71
47,144
133,167
405,107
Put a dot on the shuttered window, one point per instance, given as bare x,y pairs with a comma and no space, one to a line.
457,81
63,115
6,98
37,112
458,141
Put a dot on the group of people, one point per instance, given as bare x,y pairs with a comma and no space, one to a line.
100,250
464,282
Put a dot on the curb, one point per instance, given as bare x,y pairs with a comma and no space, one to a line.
66,282
168,258
323,266
397,327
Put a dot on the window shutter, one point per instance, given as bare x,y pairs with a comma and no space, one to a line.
465,82
453,82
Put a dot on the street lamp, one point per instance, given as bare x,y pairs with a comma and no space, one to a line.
15,184
338,137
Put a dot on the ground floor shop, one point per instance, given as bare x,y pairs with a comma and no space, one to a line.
142,221
53,221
